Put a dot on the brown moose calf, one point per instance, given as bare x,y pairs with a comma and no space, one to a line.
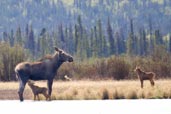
38,90
145,76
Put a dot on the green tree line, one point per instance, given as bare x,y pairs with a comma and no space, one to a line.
98,41
118,54
9,58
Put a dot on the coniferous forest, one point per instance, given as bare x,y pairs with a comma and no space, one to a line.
107,38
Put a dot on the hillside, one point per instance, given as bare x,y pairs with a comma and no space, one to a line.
51,13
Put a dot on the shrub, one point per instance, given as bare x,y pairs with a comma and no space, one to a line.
105,94
131,94
115,94
101,67
65,69
9,58
117,68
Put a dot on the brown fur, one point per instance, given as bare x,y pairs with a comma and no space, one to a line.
38,90
46,57
142,75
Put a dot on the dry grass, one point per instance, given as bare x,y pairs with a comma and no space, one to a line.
79,90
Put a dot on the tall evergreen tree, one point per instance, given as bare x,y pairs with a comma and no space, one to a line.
85,45
76,38
111,38
18,37
49,44
158,38
31,41
95,43
143,43
80,39
105,49
80,26
120,44
42,42
71,44
100,38
170,43
5,37
92,42
55,38
27,36
151,44
11,40
131,47
61,33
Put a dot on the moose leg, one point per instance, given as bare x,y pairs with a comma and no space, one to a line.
45,95
38,97
141,83
34,97
152,82
50,82
21,90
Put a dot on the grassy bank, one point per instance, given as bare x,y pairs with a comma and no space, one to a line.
87,90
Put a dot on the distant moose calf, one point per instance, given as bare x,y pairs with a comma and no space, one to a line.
145,76
38,90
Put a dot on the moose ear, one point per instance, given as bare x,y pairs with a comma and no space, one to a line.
57,49
137,67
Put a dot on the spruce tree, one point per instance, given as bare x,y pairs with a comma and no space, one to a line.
71,44
31,41
5,37
158,38
131,47
95,43
11,38
18,37
100,38
170,43
142,43
76,38
27,37
151,42
42,42
92,42
111,38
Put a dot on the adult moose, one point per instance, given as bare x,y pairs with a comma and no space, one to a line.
45,69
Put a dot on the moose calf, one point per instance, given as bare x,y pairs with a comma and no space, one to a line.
38,90
145,76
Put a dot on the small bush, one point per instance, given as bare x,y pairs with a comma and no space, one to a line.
105,94
9,58
117,68
140,94
115,95
131,95
166,95
101,67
